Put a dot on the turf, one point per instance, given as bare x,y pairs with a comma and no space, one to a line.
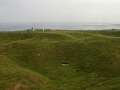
33,60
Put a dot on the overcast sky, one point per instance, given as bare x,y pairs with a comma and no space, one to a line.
59,10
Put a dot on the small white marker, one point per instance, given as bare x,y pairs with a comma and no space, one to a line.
43,28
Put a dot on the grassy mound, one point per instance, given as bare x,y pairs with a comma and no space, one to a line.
33,60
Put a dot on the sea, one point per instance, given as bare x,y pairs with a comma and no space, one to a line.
15,26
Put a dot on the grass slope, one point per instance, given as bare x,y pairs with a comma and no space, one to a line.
32,60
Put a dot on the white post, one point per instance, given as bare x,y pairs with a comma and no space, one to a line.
43,28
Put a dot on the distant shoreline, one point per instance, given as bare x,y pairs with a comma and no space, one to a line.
58,26
102,25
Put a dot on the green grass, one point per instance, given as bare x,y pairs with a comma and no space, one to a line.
33,60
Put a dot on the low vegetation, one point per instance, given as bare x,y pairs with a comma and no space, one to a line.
60,60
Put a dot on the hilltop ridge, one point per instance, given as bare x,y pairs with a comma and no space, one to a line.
33,60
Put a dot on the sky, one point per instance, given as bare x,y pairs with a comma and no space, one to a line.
59,10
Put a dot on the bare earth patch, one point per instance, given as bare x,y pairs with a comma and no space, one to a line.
15,86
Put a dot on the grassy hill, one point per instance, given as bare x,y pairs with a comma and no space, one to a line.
37,60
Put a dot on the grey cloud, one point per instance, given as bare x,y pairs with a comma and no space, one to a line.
59,10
